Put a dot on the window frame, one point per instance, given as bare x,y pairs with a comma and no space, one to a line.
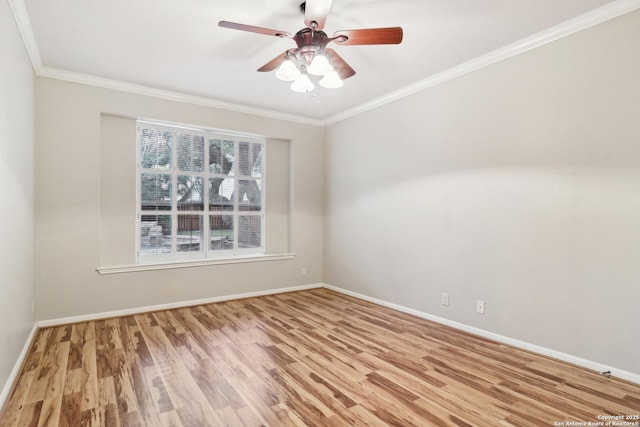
204,252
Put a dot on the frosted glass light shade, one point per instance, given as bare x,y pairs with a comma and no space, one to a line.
319,66
331,81
287,71
302,84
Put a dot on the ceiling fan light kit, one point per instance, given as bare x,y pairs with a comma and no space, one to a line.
319,65
287,72
312,57
302,84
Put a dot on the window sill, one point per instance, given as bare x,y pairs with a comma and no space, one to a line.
198,263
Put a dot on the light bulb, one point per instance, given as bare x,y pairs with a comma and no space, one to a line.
331,81
302,84
319,66
287,71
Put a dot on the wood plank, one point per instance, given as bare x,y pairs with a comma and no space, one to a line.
89,368
179,384
30,414
303,358
13,412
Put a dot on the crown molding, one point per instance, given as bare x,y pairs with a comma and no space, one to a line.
21,16
101,82
582,22
597,16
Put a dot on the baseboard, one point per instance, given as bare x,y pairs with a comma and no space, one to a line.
588,364
169,306
13,376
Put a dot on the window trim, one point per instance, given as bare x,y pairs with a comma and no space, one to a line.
204,256
169,265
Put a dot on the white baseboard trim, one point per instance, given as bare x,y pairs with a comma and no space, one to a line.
588,364
169,306
13,376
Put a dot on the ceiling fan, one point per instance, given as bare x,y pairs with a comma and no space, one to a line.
311,56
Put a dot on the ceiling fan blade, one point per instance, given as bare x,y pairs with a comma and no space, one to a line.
252,29
274,63
343,69
391,35
316,11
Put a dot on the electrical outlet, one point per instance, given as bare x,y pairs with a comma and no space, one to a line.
480,306
445,298
303,271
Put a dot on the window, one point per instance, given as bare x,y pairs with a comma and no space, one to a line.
199,194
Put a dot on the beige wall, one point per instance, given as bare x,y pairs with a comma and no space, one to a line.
518,184
16,194
76,200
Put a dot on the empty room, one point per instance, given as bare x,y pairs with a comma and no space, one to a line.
320,213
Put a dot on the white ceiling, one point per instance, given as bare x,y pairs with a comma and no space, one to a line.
177,45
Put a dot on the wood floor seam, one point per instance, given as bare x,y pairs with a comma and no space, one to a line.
313,357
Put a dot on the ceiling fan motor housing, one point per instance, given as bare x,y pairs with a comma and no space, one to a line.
310,42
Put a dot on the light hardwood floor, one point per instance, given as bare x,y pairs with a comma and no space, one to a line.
314,358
